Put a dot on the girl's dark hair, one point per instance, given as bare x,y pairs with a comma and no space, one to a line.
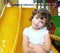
42,13
51,25
34,12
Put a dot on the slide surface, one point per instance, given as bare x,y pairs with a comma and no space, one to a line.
9,24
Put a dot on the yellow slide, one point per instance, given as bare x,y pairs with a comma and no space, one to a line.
9,29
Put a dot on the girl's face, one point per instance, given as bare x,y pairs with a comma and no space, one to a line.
38,23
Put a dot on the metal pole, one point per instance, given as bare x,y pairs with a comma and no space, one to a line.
44,4
37,4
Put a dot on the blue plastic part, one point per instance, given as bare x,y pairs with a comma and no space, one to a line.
6,1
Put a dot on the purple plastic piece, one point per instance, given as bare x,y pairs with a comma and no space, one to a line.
6,1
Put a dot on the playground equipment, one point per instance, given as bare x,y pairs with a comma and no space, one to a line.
9,29
55,37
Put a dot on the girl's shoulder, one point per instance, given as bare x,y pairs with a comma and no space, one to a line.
27,30
44,30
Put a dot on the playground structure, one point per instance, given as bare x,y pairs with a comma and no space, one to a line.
9,27
12,22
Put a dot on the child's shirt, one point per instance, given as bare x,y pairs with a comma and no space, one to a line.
36,36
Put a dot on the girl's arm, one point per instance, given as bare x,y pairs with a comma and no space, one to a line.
45,47
25,45
47,44
37,48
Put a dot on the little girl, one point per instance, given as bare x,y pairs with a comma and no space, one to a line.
36,38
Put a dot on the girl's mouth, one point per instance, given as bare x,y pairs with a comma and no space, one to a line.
36,25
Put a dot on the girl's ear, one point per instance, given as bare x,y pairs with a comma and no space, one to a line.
31,18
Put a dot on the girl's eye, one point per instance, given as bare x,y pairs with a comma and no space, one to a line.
36,17
42,22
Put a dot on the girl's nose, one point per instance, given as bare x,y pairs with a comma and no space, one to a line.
37,22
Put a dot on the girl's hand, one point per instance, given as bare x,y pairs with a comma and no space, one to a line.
32,50
38,48
31,45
